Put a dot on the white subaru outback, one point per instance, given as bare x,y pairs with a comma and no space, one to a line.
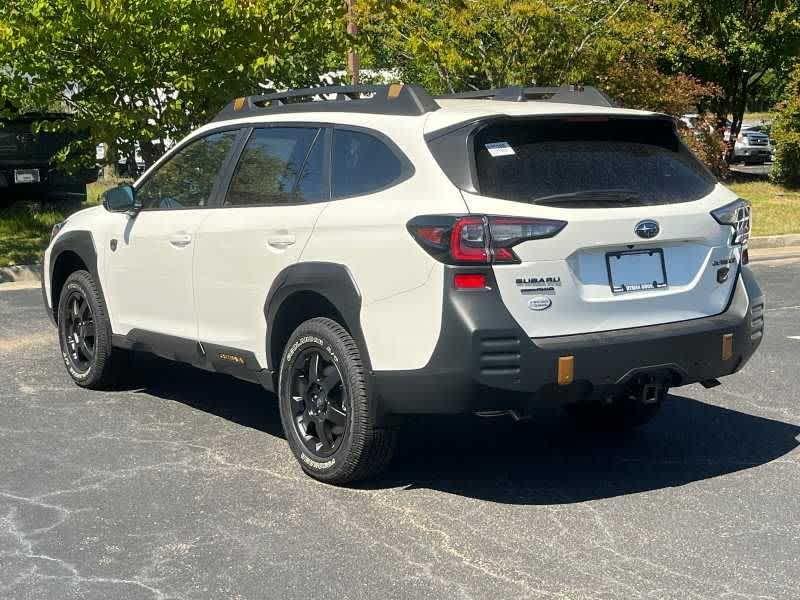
378,253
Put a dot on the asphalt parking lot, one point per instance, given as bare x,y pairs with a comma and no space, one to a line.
183,487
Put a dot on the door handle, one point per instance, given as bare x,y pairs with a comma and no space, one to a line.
180,240
281,242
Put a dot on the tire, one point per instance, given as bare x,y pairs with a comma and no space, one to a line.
624,413
324,400
84,334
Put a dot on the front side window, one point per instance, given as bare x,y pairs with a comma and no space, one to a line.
279,165
187,179
362,164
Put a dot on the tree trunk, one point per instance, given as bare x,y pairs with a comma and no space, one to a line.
109,162
353,63
150,152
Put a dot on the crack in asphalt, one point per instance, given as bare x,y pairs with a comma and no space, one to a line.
8,524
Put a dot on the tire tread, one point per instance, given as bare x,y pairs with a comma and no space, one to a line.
109,361
371,448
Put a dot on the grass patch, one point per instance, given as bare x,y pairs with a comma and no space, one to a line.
755,117
776,210
96,189
24,234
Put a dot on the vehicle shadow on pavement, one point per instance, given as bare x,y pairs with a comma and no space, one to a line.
546,461
549,461
240,402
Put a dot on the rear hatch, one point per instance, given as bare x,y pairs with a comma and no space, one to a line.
640,246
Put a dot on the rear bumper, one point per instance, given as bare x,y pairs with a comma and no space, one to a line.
484,361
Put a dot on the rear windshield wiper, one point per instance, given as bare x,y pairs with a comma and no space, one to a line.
606,196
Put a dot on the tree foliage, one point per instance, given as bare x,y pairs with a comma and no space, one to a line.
741,41
786,133
148,71
623,46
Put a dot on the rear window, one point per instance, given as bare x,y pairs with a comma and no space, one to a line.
588,162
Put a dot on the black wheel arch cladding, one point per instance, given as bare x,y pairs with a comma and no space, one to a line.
331,285
73,250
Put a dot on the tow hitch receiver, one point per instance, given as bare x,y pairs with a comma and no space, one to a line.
652,393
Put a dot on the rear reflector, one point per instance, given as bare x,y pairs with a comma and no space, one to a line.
470,281
566,369
727,346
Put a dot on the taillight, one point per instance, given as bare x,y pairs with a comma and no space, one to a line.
469,242
477,239
737,215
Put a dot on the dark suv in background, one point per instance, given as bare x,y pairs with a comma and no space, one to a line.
26,163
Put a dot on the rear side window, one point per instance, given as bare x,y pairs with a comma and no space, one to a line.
279,165
588,162
362,164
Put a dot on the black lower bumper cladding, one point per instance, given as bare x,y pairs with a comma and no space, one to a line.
485,361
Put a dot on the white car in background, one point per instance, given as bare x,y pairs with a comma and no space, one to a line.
753,145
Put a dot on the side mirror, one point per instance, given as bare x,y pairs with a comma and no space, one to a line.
122,199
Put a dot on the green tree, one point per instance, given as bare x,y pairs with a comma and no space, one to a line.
623,46
786,133
741,41
145,72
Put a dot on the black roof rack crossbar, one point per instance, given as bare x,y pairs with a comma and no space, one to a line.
392,99
567,94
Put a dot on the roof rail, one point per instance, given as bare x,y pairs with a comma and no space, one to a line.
392,99
567,94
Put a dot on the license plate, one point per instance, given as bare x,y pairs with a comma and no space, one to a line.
636,271
26,176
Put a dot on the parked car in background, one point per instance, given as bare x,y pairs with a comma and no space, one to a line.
26,163
753,145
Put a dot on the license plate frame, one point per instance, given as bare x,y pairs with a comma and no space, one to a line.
655,256
27,176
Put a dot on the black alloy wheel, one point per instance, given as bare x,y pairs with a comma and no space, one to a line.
79,331
319,402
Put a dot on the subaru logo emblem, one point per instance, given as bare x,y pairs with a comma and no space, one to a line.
647,229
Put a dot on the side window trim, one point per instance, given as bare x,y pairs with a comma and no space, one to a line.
172,152
228,168
407,169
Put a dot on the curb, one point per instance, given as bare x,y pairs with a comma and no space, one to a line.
774,241
21,273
